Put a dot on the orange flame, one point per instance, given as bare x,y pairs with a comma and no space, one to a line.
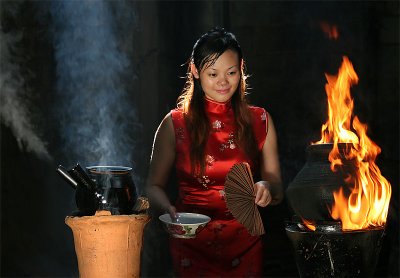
368,201
330,30
309,224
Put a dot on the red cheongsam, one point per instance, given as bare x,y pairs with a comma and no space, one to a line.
224,248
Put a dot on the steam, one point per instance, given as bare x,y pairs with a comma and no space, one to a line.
14,103
98,123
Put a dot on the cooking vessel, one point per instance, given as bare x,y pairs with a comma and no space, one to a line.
115,189
310,194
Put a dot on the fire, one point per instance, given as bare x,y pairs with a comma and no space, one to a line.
330,30
367,200
309,224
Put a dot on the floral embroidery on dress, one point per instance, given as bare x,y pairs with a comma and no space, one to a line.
229,144
180,133
204,181
235,262
263,116
240,231
216,246
217,125
217,227
185,262
210,160
222,194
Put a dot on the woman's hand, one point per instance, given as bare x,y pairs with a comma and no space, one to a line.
172,212
263,193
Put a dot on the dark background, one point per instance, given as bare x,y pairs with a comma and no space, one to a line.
287,55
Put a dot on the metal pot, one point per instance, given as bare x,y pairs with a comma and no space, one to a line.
115,188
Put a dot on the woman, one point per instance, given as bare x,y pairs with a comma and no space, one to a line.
211,129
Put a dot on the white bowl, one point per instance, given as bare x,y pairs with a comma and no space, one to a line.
187,225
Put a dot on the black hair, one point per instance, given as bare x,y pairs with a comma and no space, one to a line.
213,44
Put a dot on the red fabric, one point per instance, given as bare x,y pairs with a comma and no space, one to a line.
224,248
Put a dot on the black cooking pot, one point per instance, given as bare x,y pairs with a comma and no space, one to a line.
115,189
101,188
310,194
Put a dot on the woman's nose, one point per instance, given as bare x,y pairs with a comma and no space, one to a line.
222,80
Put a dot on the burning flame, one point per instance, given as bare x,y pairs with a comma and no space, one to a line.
330,30
368,201
309,224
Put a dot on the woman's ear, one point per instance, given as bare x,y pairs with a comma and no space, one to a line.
194,71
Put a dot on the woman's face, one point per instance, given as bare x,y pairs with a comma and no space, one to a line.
220,80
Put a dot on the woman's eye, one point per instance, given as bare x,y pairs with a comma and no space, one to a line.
232,73
212,75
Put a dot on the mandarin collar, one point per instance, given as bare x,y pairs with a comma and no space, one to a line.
217,107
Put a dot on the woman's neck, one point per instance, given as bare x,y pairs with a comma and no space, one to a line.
217,102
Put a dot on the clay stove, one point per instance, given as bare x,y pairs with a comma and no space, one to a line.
109,223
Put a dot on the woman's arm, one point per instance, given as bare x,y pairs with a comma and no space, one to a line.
161,162
269,191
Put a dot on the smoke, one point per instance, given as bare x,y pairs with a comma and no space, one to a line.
98,123
14,94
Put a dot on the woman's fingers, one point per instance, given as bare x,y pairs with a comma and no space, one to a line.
263,195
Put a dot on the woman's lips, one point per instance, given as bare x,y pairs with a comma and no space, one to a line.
223,91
